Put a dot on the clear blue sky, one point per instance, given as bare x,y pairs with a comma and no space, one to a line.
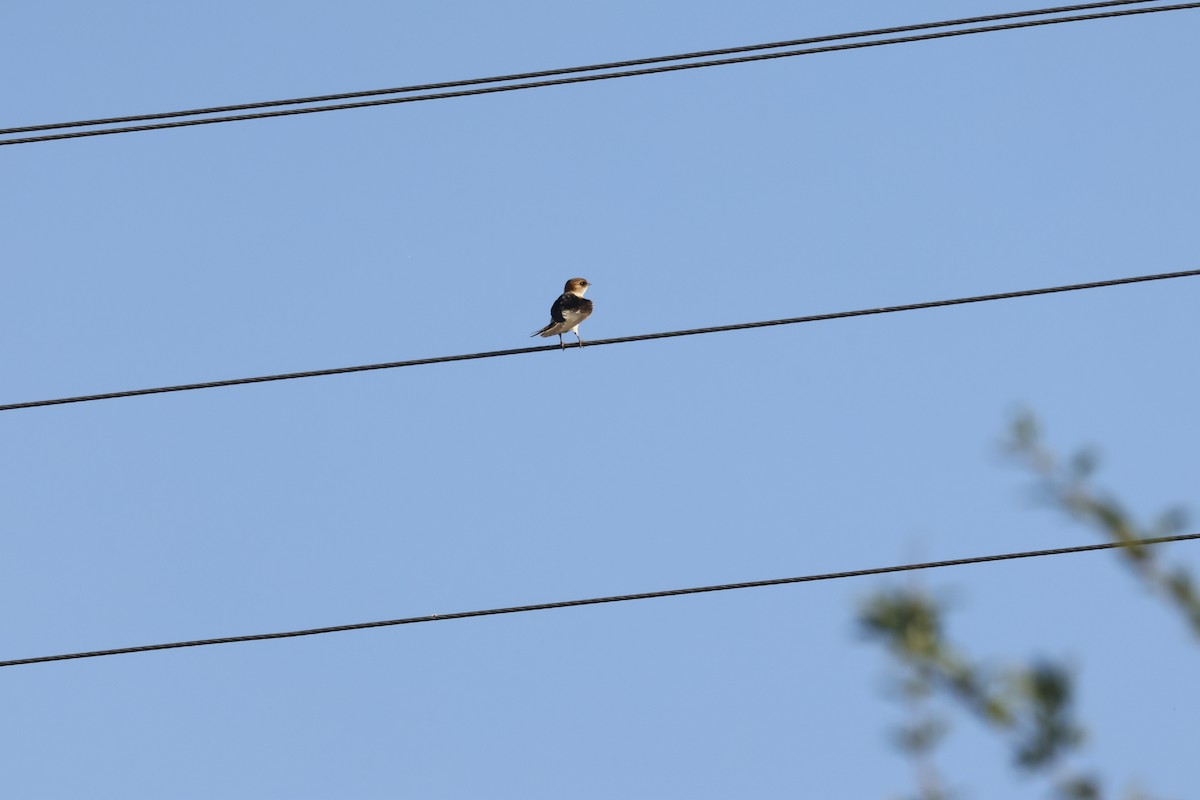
800,186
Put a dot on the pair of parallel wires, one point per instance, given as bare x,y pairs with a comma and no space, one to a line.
601,72
508,80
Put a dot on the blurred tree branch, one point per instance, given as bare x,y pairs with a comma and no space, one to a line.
1030,705
1067,485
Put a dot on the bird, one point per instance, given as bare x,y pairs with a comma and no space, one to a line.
568,311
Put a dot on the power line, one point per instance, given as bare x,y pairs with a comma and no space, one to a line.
605,76
601,342
591,601
569,70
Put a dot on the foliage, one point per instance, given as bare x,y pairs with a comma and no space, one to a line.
1030,706
1067,485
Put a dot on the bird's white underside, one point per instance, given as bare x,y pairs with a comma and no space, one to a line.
570,324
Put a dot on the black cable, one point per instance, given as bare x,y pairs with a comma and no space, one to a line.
569,70
600,342
591,601
588,78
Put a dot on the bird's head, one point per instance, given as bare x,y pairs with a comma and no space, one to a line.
577,286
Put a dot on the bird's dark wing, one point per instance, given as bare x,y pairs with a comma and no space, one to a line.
556,310
569,307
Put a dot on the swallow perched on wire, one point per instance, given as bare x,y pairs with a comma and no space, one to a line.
568,311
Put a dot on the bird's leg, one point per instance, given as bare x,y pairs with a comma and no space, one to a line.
561,346
580,338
